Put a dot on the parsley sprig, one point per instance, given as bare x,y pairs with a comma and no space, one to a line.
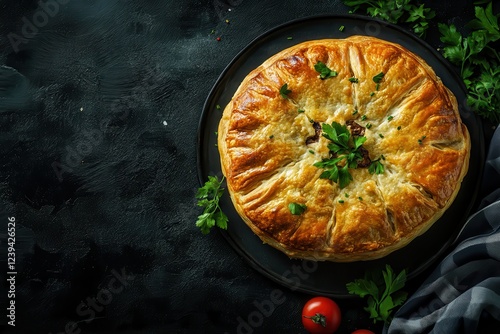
478,59
296,208
376,167
377,79
395,11
208,197
345,150
284,91
476,54
342,149
384,293
324,71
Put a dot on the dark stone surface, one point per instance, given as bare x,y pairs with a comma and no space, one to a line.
99,107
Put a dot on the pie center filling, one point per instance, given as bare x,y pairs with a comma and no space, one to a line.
346,151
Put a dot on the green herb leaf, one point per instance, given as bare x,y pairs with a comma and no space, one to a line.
485,19
420,15
478,59
399,298
296,208
332,171
284,91
363,287
354,80
373,309
220,220
344,176
376,167
378,77
399,282
324,71
208,197
385,307
449,34
358,141
337,133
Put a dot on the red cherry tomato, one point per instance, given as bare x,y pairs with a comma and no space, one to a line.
321,315
362,331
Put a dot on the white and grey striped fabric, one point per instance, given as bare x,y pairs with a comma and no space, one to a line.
462,295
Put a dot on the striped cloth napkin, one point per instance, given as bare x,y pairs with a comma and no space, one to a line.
462,295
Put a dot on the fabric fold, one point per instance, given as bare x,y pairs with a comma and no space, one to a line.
463,291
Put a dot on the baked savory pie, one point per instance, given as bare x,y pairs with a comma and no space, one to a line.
342,149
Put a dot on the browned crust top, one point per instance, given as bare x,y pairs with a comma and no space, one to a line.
268,160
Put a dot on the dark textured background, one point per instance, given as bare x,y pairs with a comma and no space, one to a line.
99,110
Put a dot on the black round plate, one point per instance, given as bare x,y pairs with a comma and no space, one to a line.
329,278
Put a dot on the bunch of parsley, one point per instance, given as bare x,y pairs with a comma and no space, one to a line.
342,148
383,292
396,11
476,54
345,150
477,57
208,197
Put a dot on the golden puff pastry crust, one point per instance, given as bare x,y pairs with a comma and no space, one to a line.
269,143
